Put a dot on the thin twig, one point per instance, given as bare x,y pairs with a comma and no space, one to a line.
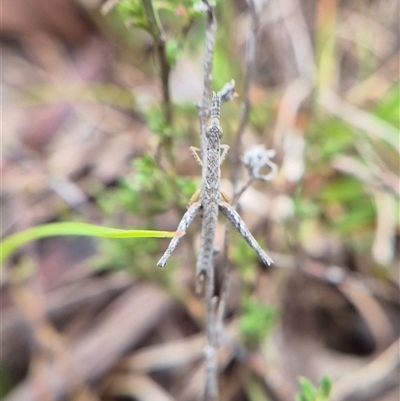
240,192
204,109
250,64
157,33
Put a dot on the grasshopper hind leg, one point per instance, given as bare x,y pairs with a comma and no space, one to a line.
184,224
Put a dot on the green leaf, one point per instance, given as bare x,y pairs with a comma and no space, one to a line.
307,389
132,13
173,52
310,393
15,241
326,386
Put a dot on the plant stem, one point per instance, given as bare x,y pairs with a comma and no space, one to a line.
211,29
250,65
157,33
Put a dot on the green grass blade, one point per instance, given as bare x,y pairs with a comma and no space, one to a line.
10,244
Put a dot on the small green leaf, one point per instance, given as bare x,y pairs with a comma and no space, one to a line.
15,241
308,389
257,322
173,52
326,386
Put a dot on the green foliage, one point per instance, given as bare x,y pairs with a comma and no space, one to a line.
158,123
136,257
245,258
331,201
349,208
150,192
342,189
132,13
311,393
257,322
154,188
389,108
327,138
172,16
173,52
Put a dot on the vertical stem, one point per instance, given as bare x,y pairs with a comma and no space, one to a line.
250,61
159,39
165,70
211,355
211,29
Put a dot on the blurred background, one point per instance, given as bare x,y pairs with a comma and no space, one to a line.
95,129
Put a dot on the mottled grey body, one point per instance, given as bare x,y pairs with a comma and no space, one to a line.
210,195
